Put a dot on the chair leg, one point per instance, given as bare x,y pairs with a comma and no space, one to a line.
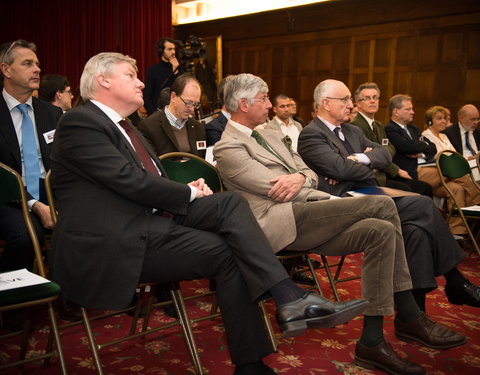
186,327
331,280
311,267
268,326
56,338
91,340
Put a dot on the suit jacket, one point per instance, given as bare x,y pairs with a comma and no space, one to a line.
247,167
392,169
408,146
159,133
325,154
214,129
455,137
105,200
46,117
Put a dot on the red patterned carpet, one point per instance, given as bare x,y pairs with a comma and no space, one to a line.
324,351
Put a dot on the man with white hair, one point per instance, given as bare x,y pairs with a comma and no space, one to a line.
122,222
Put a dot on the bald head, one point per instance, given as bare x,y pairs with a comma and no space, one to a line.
468,116
333,100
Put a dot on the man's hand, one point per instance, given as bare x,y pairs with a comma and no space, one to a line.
367,150
286,186
43,213
472,157
331,181
202,188
404,174
175,64
414,156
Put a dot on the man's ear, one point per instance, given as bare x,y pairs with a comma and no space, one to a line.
243,105
5,69
103,81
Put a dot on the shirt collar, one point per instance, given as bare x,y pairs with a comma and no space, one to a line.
111,113
242,128
402,126
329,124
12,102
227,114
173,120
463,130
368,119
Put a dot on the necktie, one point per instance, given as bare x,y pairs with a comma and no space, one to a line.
262,142
139,147
347,144
375,132
30,153
467,143
407,131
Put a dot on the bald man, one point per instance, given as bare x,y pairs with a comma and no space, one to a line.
466,126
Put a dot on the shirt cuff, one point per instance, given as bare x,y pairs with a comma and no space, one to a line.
30,204
363,159
193,192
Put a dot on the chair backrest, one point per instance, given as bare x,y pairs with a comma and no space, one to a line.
453,165
184,167
13,191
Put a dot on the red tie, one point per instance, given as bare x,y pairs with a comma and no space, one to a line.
139,147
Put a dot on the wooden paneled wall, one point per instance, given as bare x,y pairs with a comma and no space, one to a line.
427,49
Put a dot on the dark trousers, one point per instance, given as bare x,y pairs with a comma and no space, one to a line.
417,186
220,239
430,247
18,252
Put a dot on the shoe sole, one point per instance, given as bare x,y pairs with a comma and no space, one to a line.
298,327
408,338
372,365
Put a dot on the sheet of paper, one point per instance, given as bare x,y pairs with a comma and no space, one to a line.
19,279
471,208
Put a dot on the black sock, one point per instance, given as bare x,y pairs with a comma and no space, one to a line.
286,291
407,309
372,333
420,295
454,277
250,368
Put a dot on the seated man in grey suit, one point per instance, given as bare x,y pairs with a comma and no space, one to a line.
367,97
281,191
173,128
345,160
122,222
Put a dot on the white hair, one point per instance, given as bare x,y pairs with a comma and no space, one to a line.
242,86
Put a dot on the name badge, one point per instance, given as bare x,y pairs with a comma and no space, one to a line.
49,136
201,145
384,141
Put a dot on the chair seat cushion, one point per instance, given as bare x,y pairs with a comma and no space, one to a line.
28,293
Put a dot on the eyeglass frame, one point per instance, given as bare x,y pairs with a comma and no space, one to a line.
263,99
368,98
344,100
67,91
190,104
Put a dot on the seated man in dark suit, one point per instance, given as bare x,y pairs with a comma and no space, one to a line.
173,128
464,135
347,162
281,191
407,138
122,222
214,128
367,97
26,135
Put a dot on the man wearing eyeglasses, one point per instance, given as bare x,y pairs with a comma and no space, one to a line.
174,128
367,97
55,89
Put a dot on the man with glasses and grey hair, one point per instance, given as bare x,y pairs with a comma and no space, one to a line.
26,135
367,98
174,128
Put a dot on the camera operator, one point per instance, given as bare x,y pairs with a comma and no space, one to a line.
161,75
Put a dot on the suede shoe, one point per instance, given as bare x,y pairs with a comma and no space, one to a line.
466,294
384,357
428,333
313,311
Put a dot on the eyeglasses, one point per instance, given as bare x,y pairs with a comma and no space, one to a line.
345,100
189,104
263,99
368,98
67,91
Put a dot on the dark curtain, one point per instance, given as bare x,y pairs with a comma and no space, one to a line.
67,33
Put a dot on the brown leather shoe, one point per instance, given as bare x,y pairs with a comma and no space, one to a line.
384,357
314,311
428,333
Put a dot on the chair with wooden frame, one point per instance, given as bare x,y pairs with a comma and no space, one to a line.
13,191
177,301
451,165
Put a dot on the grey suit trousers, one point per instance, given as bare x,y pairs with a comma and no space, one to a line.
350,225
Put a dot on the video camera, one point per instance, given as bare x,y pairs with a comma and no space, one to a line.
193,48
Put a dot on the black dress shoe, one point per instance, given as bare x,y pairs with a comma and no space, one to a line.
384,357
303,277
313,311
465,294
428,333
